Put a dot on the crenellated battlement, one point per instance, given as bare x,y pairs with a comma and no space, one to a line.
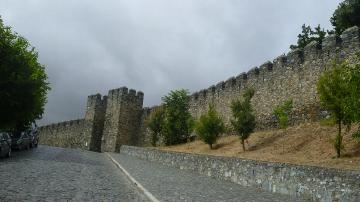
292,75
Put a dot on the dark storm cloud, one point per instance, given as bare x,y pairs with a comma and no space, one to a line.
153,46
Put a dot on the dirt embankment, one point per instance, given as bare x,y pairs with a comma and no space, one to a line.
306,144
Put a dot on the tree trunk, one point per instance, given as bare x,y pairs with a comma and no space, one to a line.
243,144
210,145
339,141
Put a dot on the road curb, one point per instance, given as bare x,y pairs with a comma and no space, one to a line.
136,183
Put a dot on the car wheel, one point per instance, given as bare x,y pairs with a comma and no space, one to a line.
9,153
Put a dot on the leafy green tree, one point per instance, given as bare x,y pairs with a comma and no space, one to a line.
282,113
156,124
352,78
308,35
335,94
346,15
178,123
243,120
210,126
23,82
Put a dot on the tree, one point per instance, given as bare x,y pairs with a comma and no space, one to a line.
346,15
352,78
335,95
243,120
178,123
282,112
23,82
210,126
156,124
308,35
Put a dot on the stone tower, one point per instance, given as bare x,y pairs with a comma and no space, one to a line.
122,119
95,113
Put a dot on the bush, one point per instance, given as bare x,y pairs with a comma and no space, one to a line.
156,124
178,123
243,120
210,126
282,113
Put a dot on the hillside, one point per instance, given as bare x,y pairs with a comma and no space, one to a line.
306,144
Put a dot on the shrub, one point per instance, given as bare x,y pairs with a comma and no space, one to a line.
210,126
243,120
156,124
178,123
282,112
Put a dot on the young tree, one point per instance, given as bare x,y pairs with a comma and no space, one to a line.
335,94
282,112
210,126
23,82
178,123
352,79
156,124
243,120
308,35
346,15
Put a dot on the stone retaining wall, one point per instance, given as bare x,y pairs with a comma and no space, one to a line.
318,184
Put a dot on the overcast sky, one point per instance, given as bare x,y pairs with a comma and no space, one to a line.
155,46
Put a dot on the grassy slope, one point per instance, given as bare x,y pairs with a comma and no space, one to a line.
307,144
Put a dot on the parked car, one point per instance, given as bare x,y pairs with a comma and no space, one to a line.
34,138
5,144
21,141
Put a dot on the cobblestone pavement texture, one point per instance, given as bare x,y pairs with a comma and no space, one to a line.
171,184
57,174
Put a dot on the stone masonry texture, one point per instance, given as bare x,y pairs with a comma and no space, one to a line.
119,118
314,183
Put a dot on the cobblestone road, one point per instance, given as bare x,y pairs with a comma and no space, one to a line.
171,184
56,174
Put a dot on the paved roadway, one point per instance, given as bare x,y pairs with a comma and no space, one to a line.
56,174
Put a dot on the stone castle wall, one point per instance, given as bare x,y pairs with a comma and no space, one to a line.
120,118
292,76
71,134
109,122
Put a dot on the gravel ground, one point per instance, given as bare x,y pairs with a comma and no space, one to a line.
57,174
171,184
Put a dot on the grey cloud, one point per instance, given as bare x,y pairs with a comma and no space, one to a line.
153,46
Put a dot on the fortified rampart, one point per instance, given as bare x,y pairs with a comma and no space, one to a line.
72,134
292,76
109,122
119,118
